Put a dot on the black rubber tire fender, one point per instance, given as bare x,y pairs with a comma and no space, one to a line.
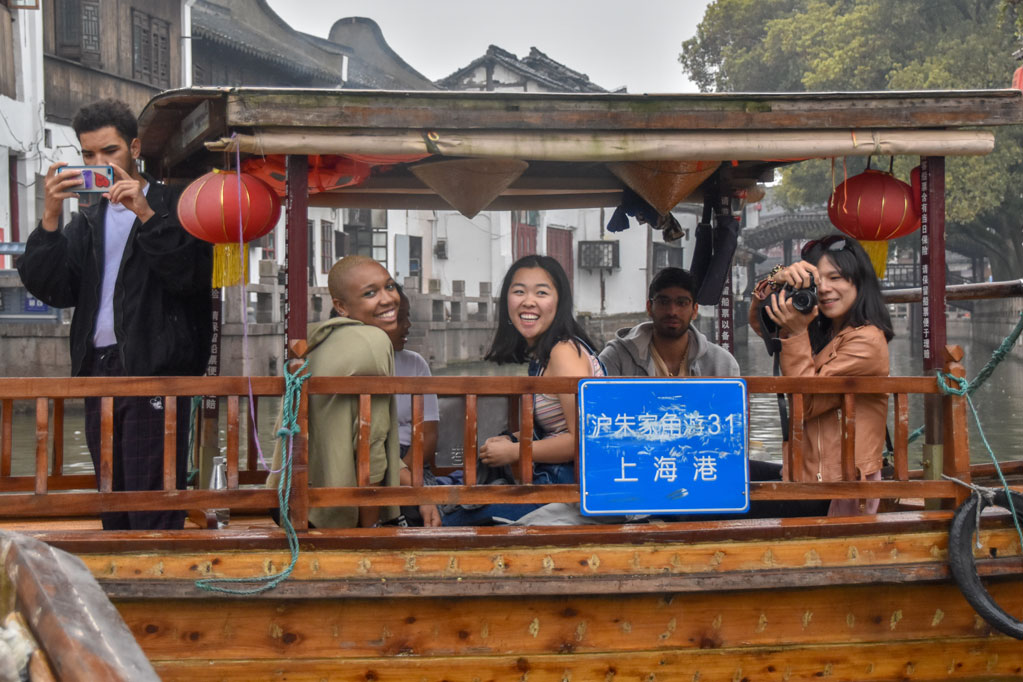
964,568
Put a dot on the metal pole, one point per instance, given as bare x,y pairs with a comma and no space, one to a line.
960,292
209,436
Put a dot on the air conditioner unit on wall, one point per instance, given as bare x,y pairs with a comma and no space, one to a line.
441,249
598,254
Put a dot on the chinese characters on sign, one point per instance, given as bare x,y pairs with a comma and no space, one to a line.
925,275
725,317
663,446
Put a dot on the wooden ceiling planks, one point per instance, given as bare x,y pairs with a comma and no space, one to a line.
176,124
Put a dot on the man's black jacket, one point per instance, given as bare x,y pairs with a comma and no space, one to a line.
161,298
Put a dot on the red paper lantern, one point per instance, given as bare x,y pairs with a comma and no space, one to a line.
209,208
873,207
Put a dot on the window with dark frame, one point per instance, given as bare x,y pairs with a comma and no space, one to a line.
415,256
369,242
78,30
326,245
150,49
667,256
380,246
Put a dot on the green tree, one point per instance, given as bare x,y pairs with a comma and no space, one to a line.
803,45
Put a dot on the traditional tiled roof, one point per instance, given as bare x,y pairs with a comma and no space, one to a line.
210,22
558,72
537,66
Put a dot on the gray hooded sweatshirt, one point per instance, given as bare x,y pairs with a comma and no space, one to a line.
628,354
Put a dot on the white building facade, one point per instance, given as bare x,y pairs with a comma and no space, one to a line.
27,147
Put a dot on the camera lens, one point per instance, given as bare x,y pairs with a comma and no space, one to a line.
803,300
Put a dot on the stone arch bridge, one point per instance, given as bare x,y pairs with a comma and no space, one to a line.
790,229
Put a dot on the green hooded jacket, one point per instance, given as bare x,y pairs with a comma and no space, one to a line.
343,347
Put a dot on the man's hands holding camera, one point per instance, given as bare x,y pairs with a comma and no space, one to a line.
58,187
793,305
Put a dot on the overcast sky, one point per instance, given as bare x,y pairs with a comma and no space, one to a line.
634,43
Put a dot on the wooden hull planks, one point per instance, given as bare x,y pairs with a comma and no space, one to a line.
904,557
842,605
959,660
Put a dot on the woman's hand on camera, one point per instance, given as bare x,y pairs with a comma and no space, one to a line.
789,320
498,451
799,275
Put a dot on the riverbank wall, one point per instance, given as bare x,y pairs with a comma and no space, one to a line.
447,330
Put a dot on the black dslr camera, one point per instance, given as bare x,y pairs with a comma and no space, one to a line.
803,300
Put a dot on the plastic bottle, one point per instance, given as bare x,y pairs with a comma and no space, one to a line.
218,481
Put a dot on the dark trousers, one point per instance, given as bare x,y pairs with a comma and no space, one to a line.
502,512
138,445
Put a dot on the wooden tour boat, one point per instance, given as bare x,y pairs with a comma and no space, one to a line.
864,598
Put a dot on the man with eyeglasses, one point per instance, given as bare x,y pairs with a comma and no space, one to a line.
668,345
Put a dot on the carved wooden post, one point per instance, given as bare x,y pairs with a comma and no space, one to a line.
956,437
299,503
526,439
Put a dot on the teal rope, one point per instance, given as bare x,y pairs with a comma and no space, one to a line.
289,429
996,357
964,390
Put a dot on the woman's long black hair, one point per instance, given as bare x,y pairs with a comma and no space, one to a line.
869,308
509,345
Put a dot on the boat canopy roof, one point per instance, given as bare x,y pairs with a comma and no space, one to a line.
498,150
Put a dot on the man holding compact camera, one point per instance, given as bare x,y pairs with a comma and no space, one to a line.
140,286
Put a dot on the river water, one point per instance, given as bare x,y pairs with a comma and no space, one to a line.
999,404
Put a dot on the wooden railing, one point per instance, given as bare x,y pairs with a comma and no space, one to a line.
49,491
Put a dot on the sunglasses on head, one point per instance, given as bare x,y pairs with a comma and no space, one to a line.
831,243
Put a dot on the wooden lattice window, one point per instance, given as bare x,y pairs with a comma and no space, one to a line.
150,49
78,30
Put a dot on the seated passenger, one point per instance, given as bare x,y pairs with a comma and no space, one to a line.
845,334
365,297
668,345
408,363
536,324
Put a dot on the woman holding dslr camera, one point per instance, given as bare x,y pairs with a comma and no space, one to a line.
846,333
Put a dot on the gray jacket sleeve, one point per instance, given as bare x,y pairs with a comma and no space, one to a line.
612,362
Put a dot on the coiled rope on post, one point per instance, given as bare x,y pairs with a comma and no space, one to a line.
996,357
289,429
963,390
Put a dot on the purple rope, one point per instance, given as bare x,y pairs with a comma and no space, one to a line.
245,315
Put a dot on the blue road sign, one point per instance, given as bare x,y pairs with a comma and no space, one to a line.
34,305
663,446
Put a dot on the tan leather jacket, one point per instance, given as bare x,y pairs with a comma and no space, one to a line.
855,351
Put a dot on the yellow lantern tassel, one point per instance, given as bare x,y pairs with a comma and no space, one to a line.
878,252
227,265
